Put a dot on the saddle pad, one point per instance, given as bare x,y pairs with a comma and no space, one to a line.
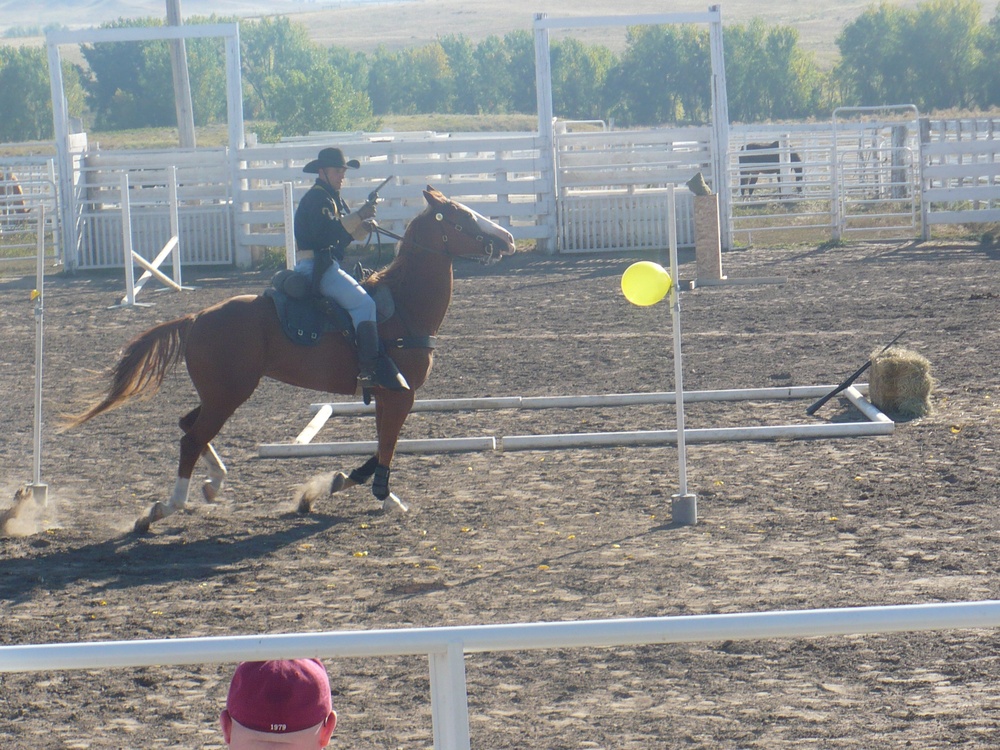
304,321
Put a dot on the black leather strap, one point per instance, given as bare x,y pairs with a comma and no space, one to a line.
411,342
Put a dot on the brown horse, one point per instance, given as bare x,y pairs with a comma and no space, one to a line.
230,346
764,158
11,194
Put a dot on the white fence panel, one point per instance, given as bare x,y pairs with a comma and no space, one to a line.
27,184
960,171
612,187
498,175
446,646
205,206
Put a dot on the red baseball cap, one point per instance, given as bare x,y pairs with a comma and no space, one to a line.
279,697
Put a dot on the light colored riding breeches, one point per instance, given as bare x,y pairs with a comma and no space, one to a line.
342,288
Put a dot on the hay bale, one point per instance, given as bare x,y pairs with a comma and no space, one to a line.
901,383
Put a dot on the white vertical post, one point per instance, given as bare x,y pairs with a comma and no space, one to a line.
289,227
237,140
720,123
39,491
543,99
60,123
127,243
684,505
449,699
175,223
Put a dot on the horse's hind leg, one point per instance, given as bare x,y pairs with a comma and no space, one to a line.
204,425
217,471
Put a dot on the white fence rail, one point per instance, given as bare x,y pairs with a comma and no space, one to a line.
446,647
498,175
204,206
612,187
880,174
960,172
27,184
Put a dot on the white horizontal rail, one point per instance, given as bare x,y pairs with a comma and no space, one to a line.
368,447
705,435
607,399
509,637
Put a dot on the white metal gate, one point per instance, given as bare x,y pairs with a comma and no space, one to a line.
612,187
876,181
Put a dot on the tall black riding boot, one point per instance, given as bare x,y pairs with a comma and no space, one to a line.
367,337
375,370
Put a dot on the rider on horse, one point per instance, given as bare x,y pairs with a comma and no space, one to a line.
324,227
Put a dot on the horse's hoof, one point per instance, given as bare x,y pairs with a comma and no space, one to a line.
143,523
393,504
339,482
209,491
305,506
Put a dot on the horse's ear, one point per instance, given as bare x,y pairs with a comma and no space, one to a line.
434,196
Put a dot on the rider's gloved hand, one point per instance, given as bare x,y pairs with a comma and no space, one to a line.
357,222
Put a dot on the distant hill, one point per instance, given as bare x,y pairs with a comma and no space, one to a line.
78,14
365,24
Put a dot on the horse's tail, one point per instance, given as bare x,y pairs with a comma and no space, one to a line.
144,363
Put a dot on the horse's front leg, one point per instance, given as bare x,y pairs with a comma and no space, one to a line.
391,410
325,485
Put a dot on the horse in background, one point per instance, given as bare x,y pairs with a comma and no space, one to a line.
12,196
229,347
764,158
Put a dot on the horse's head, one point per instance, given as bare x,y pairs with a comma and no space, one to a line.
460,232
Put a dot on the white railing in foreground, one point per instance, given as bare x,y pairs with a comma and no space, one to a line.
447,646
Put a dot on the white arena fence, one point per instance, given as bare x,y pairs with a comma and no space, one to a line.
28,184
446,647
960,171
869,173
204,202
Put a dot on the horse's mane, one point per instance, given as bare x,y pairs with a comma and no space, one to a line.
392,273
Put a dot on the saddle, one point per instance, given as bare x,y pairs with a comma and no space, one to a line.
305,317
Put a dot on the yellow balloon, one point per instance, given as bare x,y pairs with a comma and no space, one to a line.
645,283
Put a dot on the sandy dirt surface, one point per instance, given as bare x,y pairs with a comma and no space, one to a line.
907,518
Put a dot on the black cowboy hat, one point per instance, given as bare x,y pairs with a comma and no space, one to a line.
330,157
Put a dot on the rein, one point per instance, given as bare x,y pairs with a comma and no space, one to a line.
487,245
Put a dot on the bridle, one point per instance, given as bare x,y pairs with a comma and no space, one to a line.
487,257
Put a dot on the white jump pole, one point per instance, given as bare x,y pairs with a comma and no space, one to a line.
175,225
289,227
356,408
683,505
127,244
368,447
39,491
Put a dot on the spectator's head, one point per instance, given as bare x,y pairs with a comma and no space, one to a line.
279,704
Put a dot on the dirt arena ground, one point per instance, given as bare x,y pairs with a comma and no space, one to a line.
907,518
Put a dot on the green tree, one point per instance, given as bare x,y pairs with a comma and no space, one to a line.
494,89
24,81
987,75
663,76
579,77
292,81
520,46
461,54
943,53
768,76
430,81
386,81
131,85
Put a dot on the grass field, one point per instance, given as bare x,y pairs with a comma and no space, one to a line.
415,22
403,23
